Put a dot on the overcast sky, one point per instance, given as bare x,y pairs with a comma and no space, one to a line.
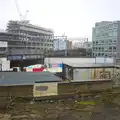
74,17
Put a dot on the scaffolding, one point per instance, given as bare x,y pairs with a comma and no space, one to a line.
28,39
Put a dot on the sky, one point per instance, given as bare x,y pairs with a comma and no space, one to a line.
74,17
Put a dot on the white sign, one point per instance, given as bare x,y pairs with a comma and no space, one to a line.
3,44
45,89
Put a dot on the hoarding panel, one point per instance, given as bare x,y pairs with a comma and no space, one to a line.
45,89
101,73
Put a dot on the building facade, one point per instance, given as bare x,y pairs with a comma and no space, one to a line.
26,39
78,42
3,48
106,39
60,43
87,45
69,45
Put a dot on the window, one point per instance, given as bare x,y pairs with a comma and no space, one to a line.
102,41
114,33
110,34
114,48
115,25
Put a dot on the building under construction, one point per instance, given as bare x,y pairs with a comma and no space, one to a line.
26,42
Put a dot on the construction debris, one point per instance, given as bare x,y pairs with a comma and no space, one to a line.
64,109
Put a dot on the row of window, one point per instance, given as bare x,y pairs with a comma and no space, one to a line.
104,41
102,54
101,48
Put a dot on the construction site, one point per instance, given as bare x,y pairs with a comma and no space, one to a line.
45,96
79,92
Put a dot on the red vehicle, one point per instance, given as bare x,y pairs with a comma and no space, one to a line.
39,69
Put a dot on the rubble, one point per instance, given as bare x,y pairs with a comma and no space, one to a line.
68,109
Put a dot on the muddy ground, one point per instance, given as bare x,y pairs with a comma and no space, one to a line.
60,110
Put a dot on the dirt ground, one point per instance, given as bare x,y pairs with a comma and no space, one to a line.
60,110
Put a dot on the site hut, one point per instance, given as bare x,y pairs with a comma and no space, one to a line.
82,72
28,85
86,78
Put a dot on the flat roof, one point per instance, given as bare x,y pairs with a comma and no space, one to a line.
87,65
26,78
87,81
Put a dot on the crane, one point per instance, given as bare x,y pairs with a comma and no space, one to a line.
22,17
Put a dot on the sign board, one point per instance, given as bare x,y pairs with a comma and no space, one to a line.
44,89
22,57
14,57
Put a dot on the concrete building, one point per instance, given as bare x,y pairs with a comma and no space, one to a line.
27,43
29,39
106,39
26,39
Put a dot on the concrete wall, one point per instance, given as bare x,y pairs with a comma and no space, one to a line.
17,91
82,87
78,60
45,89
92,74
5,64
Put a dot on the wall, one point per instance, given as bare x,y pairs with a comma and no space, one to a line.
5,64
78,60
18,91
81,74
45,89
92,74
82,87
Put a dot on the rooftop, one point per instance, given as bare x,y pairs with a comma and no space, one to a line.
86,65
28,24
26,78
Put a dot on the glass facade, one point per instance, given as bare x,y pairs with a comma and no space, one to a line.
104,39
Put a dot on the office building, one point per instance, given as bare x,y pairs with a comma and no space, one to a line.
60,43
106,39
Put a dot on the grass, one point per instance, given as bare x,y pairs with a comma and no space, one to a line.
87,103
